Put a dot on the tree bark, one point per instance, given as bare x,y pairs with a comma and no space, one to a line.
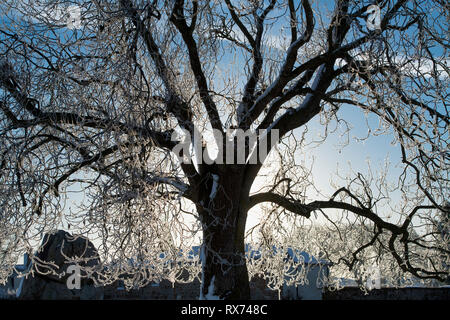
224,272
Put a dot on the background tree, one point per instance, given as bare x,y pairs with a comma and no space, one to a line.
94,109
441,236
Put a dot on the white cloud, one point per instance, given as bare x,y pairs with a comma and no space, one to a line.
426,67
409,66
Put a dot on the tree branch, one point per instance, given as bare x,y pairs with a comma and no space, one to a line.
178,19
285,74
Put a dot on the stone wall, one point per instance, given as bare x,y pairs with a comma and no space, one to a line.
352,293
161,291
181,291
260,291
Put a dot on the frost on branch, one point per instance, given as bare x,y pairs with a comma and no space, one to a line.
87,116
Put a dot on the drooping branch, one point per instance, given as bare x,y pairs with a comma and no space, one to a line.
400,232
305,209
44,118
288,204
351,263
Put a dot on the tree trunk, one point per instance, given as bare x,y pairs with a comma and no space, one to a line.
224,273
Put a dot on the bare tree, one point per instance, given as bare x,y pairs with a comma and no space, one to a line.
95,107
